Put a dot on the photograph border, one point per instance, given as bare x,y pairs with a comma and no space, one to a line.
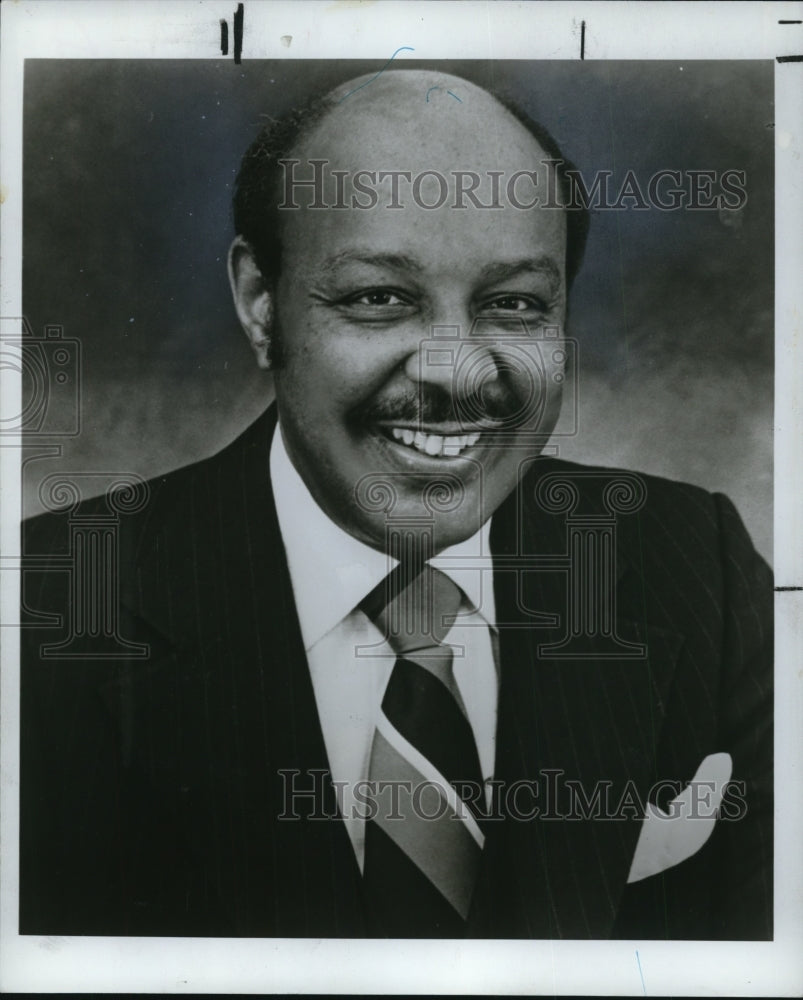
431,30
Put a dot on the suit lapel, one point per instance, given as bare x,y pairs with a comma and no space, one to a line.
223,720
591,722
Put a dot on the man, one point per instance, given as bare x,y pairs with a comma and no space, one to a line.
391,673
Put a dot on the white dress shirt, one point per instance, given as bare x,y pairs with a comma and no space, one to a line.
331,572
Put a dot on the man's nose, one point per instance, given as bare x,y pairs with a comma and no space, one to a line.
453,357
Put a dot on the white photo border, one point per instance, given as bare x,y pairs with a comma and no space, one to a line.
436,30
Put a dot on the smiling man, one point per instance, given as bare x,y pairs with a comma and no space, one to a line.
363,284
390,670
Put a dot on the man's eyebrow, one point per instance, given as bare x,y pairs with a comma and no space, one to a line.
544,265
530,265
396,261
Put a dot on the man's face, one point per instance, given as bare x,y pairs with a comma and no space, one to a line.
418,354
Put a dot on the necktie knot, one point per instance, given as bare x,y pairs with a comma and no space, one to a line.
414,609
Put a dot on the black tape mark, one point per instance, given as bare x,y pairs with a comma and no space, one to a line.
239,17
781,59
224,37
582,39
779,589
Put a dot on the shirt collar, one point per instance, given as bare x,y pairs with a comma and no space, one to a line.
331,571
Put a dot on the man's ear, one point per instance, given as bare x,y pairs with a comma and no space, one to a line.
253,300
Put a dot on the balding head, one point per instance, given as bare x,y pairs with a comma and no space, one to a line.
391,118
435,108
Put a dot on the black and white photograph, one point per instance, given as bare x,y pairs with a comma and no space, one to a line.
402,551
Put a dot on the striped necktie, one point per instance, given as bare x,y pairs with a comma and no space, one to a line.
423,845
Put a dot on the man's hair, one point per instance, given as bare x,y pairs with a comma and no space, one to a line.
258,187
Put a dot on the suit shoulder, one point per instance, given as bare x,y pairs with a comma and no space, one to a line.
49,532
158,500
665,519
653,492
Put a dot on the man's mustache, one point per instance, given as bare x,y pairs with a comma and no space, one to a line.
434,405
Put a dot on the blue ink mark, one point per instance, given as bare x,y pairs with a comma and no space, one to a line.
441,88
404,48
643,987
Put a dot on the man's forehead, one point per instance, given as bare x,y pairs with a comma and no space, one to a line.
472,177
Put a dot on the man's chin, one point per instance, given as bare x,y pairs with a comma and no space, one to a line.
412,530
435,500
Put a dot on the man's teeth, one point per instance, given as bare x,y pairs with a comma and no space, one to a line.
434,444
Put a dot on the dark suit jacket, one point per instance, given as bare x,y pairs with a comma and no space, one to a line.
151,787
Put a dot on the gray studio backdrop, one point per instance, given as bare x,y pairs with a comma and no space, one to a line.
128,172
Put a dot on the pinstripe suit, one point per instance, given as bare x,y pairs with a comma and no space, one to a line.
151,788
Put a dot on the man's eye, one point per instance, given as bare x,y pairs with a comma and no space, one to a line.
512,303
377,297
